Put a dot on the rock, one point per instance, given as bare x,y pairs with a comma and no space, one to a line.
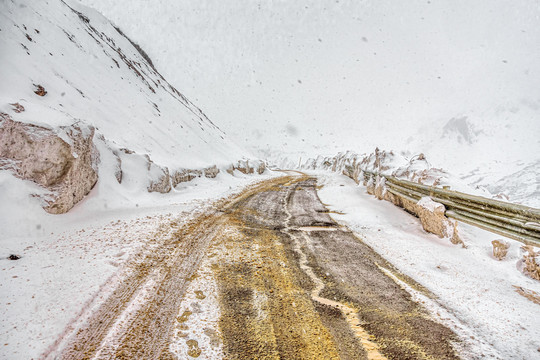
18,108
431,215
41,155
456,239
348,171
184,175
500,249
531,262
118,173
40,90
14,257
261,167
211,172
433,220
243,167
380,188
160,180
370,187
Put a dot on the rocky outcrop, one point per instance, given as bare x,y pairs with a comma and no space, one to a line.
118,173
64,161
184,175
161,180
261,167
66,168
211,172
415,169
245,167
380,188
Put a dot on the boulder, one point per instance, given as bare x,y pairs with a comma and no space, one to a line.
500,249
244,167
211,172
184,175
67,168
380,188
160,179
531,262
433,220
261,167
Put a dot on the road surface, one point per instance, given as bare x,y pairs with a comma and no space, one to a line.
264,275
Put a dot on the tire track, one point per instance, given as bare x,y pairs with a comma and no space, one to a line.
136,319
350,314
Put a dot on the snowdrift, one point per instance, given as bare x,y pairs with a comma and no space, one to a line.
81,104
520,187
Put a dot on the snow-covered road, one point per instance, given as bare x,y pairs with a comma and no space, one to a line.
267,271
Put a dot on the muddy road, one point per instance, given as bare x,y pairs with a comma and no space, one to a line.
267,274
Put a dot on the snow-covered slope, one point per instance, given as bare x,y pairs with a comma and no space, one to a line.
73,82
83,109
94,75
498,149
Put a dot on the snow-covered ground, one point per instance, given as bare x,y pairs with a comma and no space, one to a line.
477,292
93,78
67,259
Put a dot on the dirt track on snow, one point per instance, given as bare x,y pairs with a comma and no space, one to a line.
290,284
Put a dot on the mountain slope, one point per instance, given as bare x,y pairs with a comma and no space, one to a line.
71,78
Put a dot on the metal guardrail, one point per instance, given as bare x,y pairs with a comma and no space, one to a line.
515,221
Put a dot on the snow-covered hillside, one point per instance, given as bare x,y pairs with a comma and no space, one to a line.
96,76
80,102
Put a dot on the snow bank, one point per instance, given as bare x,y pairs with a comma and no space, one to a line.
417,168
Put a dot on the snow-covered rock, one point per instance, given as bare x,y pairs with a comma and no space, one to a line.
433,220
66,168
